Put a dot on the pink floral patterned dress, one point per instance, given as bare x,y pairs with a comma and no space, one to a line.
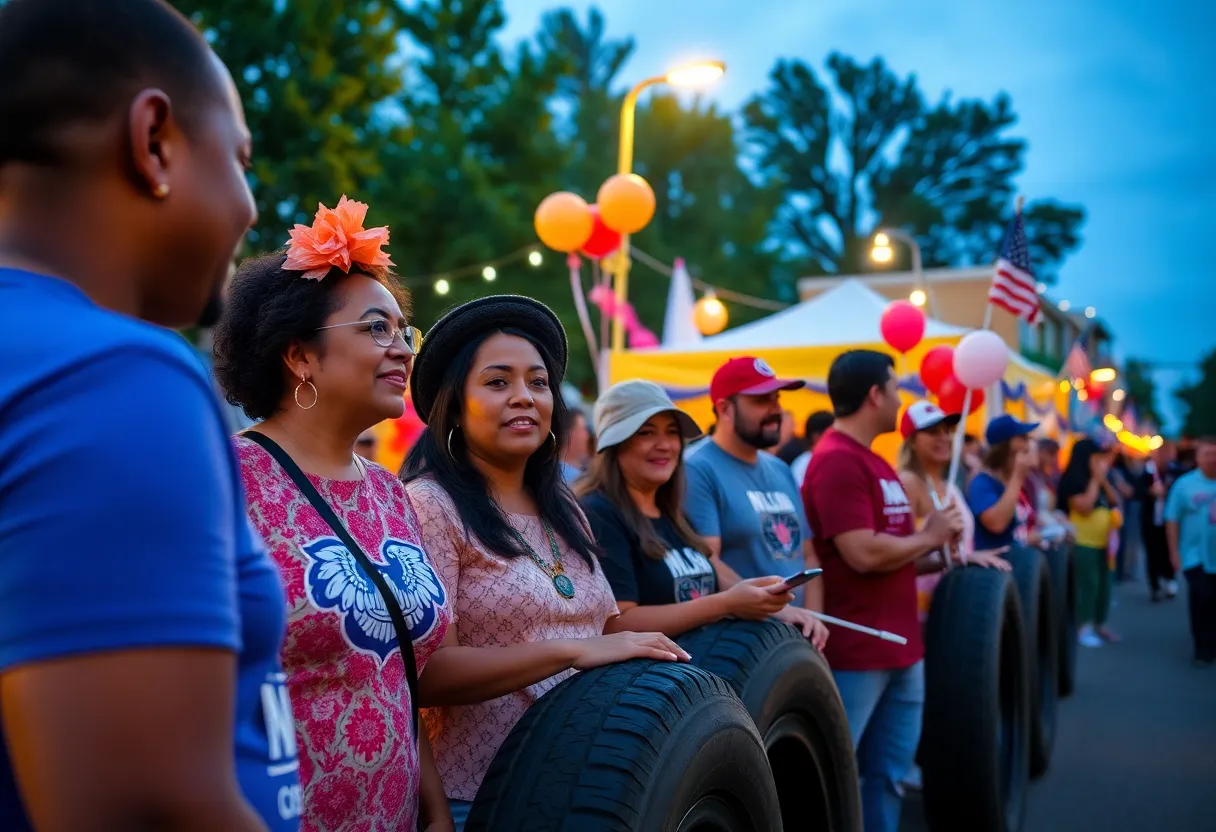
498,602
358,761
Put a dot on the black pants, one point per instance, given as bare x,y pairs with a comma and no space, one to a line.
1201,597
1157,553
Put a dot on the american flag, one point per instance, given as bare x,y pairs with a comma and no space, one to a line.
1013,285
1077,364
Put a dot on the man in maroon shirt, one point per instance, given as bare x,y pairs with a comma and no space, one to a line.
868,545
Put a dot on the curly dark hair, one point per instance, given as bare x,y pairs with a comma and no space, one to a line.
266,310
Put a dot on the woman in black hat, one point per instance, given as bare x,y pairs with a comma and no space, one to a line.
530,601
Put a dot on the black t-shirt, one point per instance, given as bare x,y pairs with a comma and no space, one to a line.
682,575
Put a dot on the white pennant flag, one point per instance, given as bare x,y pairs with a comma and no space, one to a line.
678,327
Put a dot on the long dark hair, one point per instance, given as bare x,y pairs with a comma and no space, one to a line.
1075,478
468,489
604,475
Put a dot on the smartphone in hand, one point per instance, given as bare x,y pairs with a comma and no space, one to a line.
794,581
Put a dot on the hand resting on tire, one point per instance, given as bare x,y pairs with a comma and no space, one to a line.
620,647
991,559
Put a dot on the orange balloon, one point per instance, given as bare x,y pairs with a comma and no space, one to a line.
563,221
709,316
626,203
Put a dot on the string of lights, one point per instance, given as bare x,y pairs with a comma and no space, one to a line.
487,270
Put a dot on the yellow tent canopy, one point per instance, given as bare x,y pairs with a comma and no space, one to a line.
802,341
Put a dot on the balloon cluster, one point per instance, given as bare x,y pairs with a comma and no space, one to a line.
980,359
566,223
947,372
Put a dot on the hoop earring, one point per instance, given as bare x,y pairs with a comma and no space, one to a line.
315,396
453,430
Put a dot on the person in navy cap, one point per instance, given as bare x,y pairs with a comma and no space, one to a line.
996,495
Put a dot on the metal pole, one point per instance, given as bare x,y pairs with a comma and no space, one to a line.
620,267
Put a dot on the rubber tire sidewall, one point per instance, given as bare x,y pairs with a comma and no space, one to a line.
975,624
782,675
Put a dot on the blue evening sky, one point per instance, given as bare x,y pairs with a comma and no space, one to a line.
1117,100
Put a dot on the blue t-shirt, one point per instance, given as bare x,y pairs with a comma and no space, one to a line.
984,492
122,520
755,508
1192,505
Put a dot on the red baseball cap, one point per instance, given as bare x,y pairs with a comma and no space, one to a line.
923,415
748,376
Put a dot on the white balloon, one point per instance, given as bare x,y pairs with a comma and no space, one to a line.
980,359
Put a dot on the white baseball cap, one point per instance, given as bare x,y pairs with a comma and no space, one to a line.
924,414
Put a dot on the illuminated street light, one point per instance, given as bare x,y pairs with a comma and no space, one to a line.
693,74
442,287
536,258
1119,395
882,254
1103,375
696,74
917,297
489,273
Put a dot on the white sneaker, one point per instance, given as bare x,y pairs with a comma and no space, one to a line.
1086,637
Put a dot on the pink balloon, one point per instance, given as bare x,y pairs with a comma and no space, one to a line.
980,359
902,325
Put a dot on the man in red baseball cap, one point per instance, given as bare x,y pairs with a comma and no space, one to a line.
743,501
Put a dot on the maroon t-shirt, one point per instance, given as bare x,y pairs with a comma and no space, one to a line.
849,487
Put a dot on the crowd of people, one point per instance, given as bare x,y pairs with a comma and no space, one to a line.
271,630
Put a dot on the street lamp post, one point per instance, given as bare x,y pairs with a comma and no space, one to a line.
882,254
698,74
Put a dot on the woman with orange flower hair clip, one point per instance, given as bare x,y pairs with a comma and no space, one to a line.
314,342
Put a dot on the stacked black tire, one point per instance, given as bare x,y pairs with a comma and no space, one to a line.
634,746
753,738
999,653
786,686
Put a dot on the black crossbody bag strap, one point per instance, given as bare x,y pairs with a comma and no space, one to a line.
404,642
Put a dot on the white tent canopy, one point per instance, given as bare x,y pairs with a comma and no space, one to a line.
845,314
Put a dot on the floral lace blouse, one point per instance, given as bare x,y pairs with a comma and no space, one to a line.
359,765
497,602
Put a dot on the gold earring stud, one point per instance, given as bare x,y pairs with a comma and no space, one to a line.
161,191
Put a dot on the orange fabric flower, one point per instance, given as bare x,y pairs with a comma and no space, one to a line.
336,238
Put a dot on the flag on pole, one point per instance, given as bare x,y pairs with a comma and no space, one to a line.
1014,287
1077,364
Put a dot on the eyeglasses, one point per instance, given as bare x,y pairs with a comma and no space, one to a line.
385,334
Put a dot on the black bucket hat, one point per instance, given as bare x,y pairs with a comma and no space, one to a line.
469,321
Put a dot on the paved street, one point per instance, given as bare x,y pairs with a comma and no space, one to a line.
1136,749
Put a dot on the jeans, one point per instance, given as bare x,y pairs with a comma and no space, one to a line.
1201,600
460,812
884,708
1093,585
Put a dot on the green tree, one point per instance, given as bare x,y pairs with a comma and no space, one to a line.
868,152
313,76
1199,399
1142,390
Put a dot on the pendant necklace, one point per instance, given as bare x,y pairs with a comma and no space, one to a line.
557,572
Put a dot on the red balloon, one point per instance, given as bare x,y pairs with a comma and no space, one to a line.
950,394
902,325
603,240
936,367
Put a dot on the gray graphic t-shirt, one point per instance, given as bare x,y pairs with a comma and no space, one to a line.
755,508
